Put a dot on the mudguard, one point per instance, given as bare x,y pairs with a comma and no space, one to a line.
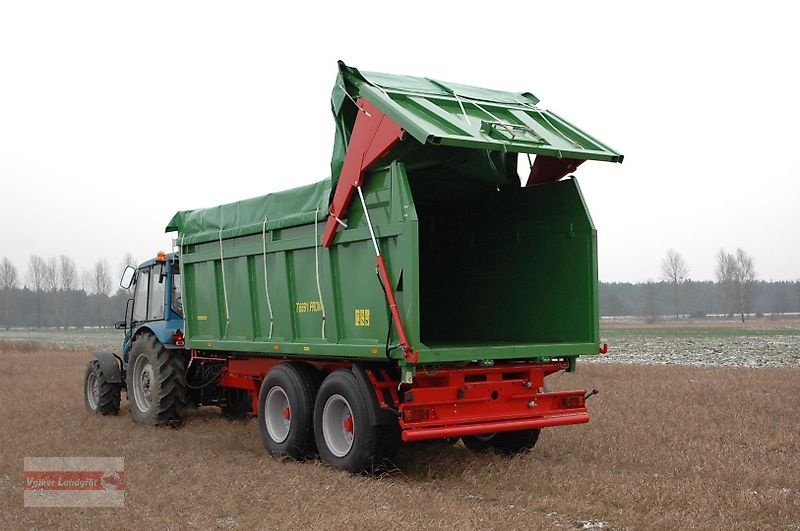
110,365
377,415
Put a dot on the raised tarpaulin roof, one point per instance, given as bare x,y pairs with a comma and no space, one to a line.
450,114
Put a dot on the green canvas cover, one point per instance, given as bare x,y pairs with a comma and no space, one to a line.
436,113
289,208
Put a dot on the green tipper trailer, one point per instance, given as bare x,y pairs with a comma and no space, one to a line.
421,292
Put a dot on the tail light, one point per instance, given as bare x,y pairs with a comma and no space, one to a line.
177,337
419,414
572,402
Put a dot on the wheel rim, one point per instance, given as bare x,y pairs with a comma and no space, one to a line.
338,427
278,414
143,383
92,390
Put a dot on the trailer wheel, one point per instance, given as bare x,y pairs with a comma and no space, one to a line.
100,396
507,442
345,437
237,404
156,382
286,408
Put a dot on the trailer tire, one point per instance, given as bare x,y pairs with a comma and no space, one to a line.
156,384
100,396
507,442
238,404
345,437
286,409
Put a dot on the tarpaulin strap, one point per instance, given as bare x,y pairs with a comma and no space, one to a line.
369,221
542,112
316,263
266,285
224,287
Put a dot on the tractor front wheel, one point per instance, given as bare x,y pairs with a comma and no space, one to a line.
100,396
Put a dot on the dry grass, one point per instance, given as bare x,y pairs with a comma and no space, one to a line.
668,447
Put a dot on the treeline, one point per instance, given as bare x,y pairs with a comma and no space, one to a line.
52,292
695,299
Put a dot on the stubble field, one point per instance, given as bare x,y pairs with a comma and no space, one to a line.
669,446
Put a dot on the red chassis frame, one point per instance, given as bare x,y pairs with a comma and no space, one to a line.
446,402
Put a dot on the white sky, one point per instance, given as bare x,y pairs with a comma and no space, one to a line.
114,115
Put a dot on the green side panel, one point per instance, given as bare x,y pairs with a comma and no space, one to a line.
324,301
450,114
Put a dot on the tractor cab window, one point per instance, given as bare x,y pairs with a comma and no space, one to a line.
158,282
177,299
140,295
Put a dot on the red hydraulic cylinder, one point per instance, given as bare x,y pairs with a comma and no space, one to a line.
374,134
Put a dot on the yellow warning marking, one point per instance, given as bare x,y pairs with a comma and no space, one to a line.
202,318
362,317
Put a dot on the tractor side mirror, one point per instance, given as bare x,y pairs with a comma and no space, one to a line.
120,325
127,277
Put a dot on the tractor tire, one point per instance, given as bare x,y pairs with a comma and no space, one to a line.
286,409
345,437
507,442
237,404
100,396
156,382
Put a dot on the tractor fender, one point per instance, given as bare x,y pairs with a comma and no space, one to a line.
377,415
110,364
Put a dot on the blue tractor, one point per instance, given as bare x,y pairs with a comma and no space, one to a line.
154,369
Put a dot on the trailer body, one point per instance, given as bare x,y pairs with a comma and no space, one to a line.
423,291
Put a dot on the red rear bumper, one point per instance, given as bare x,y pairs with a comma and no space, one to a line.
478,400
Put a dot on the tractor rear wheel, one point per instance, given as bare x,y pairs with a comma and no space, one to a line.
100,396
286,409
156,382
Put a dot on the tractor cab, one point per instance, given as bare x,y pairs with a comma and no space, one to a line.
156,306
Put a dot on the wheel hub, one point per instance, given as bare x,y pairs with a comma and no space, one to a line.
338,426
143,384
277,414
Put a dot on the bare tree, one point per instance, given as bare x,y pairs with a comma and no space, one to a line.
101,281
35,278
8,274
745,281
67,273
674,270
51,279
67,276
8,283
736,275
726,278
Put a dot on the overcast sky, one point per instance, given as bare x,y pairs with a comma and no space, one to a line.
115,115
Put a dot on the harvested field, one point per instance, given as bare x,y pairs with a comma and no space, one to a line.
668,447
703,346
